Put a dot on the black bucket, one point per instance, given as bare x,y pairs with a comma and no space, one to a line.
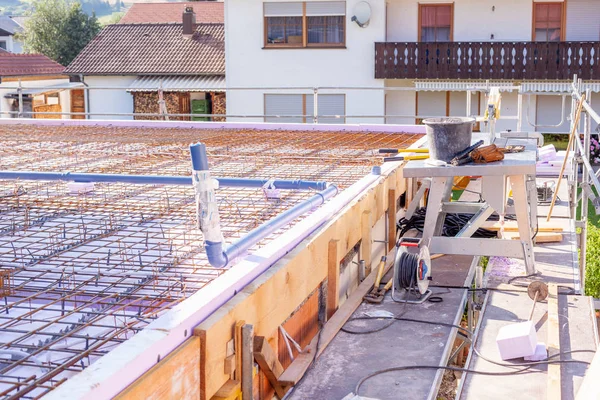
448,136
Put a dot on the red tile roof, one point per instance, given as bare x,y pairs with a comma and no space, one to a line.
156,13
28,65
153,49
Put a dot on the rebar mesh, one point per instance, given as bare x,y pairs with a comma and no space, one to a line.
81,273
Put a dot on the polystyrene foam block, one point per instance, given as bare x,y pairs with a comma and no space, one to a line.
547,153
517,340
540,353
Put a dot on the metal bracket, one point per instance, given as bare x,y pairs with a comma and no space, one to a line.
414,204
528,258
587,189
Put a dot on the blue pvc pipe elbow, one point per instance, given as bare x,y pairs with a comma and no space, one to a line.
215,254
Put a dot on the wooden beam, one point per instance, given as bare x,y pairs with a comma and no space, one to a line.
296,370
292,375
553,391
511,226
589,388
541,237
269,364
177,376
392,219
237,340
231,390
229,368
333,277
366,227
247,362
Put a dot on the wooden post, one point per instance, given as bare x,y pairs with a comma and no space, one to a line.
237,340
392,219
247,362
367,240
554,379
333,277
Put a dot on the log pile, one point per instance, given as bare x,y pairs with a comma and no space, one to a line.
218,106
147,102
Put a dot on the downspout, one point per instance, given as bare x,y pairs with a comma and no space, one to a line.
208,214
86,97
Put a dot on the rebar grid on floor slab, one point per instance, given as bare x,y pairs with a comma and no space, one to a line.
83,272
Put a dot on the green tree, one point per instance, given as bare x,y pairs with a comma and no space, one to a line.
58,29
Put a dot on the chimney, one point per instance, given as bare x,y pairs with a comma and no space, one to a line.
189,22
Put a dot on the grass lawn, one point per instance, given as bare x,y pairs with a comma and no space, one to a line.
592,275
559,141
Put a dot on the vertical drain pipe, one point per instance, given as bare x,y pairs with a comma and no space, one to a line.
208,213
207,210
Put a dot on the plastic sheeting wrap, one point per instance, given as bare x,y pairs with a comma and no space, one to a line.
207,212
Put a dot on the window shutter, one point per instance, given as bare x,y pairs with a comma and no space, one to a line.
329,104
583,23
283,9
325,8
283,105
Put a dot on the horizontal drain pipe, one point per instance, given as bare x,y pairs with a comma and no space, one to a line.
158,180
208,214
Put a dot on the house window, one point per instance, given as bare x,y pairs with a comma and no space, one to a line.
299,108
305,24
3,44
435,22
548,22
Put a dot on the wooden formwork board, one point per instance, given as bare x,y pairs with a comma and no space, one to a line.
268,301
177,376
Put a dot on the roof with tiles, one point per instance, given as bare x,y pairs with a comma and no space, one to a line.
156,13
28,65
153,49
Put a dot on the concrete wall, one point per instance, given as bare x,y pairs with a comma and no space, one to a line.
249,65
110,101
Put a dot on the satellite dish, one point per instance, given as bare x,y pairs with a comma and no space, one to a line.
362,14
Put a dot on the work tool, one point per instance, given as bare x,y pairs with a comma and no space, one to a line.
537,291
406,158
519,148
412,272
396,151
466,151
480,155
378,297
375,292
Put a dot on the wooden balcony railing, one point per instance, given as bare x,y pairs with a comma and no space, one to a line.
488,60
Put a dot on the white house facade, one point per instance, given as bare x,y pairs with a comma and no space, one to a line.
410,60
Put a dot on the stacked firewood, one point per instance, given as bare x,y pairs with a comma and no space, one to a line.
147,102
218,106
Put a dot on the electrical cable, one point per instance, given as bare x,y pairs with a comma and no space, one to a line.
523,367
453,223
524,370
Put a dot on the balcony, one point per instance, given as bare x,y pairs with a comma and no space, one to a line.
488,60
